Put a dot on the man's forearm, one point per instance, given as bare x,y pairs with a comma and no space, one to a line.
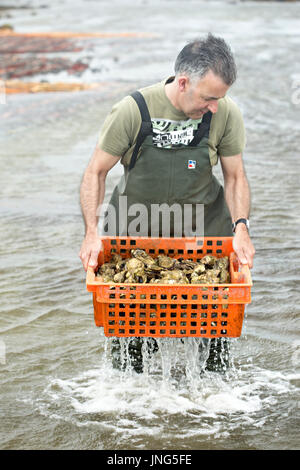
92,192
237,195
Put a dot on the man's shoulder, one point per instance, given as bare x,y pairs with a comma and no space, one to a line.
154,96
228,108
227,131
127,103
151,90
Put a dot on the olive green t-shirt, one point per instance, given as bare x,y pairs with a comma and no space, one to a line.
171,127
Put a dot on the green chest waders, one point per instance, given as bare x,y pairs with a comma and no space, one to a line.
180,175
162,176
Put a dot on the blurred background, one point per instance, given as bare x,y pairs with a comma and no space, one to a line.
58,389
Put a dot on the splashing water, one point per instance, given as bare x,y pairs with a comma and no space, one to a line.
168,355
174,380
175,396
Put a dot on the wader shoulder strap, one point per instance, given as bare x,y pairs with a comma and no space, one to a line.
146,126
203,130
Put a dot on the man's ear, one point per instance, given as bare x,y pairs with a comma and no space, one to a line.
182,83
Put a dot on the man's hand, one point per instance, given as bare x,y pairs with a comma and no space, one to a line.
237,195
90,249
92,191
243,246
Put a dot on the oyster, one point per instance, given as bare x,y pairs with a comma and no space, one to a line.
165,261
107,276
143,256
153,271
135,271
118,261
129,278
208,260
196,279
133,264
199,269
224,277
209,276
174,277
106,272
142,268
106,267
155,281
119,277
222,263
186,266
212,276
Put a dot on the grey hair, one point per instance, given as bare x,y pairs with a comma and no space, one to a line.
202,55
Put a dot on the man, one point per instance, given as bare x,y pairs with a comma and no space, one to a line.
168,137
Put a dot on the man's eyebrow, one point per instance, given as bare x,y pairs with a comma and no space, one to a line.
212,97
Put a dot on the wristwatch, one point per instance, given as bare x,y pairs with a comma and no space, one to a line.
243,221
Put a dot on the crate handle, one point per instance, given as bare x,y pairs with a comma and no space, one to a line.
244,269
90,279
243,274
240,273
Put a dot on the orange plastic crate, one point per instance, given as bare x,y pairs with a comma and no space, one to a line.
164,310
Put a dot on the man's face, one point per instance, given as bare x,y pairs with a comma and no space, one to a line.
197,98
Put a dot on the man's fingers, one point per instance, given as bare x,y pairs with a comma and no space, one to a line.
249,261
244,249
250,255
241,256
93,261
84,259
245,257
89,254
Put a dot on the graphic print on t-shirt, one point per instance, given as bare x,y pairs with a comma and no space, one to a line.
167,133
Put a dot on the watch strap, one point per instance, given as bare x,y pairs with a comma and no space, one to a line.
243,221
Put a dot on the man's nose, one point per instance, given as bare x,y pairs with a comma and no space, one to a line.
213,107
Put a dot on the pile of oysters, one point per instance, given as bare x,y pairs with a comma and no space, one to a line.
142,268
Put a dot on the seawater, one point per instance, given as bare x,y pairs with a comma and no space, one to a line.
58,387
